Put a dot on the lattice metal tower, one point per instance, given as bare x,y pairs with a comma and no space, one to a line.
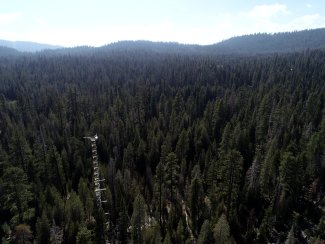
96,178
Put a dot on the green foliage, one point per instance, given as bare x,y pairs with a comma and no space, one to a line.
289,172
152,235
123,224
268,174
206,235
171,175
180,237
160,190
17,195
321,228
43,229
190,140
291,237
229,175
74,213
138,219
85,197
23,234
100,230
196,203
84,236
167,239
221,230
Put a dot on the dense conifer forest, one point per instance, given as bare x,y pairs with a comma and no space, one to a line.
194,148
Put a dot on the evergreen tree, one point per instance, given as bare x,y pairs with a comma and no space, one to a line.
230,174
221,231
43,230
180,237
23,234
196,203
123,224
291,237
167,239
267,175
74,216
56,234
206,234
171,175
84,236
138,219
160,176
17,195
100,230
289,172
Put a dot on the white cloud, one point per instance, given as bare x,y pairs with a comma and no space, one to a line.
308,5
225,27
262,18
41,22
306,22
9,17
101,35
267,11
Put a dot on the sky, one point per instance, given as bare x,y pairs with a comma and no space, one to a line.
98,22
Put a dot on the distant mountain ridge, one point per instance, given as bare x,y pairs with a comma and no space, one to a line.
286,42
273,43
25,46
261,43
7,51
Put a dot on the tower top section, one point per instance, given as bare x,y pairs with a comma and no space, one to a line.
92,138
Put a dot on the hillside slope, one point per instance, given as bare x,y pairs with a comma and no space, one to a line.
24,46
272,43
287,42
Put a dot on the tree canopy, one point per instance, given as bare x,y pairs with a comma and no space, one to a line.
193,147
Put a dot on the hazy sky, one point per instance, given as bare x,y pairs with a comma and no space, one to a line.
99,22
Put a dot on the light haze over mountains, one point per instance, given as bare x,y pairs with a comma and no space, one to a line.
247,44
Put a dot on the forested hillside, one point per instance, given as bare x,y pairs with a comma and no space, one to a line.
24,46
273,43
249,45
194,148
6,51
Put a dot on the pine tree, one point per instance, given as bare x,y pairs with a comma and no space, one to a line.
84,236
43,230
138,219
196,203
160,176
230,174
74,216
290,172
56,234
171,175
182,146
167,239
23,234
206,235
227,138
180,238
221,231
152,235
85,197
253,175
291,237
17,195
123,224
267,173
